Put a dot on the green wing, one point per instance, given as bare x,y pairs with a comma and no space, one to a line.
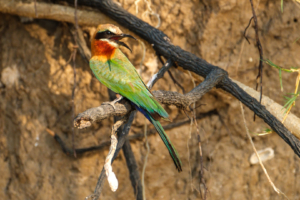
119,75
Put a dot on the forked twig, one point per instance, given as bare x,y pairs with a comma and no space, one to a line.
247,29
111,177
259,75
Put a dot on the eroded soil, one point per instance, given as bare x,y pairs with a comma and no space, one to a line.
36,93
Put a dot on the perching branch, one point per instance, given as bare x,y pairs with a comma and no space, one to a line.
92,115
66,14
138,136
121,140
188,61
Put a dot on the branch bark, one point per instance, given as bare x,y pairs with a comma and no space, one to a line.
66,14
92,115
53,12
162,45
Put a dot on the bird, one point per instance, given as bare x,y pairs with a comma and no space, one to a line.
113,69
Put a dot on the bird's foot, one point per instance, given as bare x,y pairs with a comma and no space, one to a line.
112,103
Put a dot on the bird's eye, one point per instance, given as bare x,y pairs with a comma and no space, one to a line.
109,33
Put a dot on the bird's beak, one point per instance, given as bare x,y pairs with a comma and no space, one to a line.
127,35
117,38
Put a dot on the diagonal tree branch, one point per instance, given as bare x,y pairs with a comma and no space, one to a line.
66,14
188,61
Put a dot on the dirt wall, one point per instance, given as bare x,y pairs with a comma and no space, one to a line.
36,92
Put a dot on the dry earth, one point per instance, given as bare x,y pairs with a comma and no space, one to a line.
35,94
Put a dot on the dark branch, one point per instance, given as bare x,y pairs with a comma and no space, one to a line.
137,136
260,68
189,61
247,29
93,115
133,170
122,133
176,82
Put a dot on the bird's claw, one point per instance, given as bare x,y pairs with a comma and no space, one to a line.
112,103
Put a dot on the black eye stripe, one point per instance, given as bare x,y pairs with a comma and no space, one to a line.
100,35
103,34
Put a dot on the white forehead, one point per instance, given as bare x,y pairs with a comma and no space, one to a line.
113,29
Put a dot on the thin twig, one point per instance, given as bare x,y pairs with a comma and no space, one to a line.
111,177
176,82
188,152
258,157
159,74
74,76
170,74
201,174
143,56
247,29
202,181
242,46
189,138
259,75
145,161
122,133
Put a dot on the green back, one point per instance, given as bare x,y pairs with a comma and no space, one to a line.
119,75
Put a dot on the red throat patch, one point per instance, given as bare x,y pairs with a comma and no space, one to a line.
102,48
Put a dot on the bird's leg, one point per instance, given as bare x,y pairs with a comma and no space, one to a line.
112,103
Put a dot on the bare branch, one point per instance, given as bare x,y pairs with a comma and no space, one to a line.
122,134
133,170
160,74
292,122
66,13
138,136
53,12
111,177
92,115
261,57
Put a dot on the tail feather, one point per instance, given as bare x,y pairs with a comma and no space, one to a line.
164,137
168,143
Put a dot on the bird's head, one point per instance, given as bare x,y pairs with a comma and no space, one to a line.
107,38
